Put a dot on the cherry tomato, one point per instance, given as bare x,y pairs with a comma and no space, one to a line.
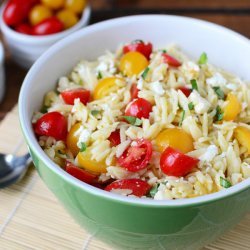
171,61
79,173
53,4
139,108
136,156
175,163
232,108
138,187
52,124
68,18
72,139
115,138
39,13
24,28
70,95
242,134
185,91
16,11
134,91
139,46
76,6
48,26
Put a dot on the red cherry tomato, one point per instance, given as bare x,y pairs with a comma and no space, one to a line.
139,46
24,28
79,173
16,11
138,187
136,156
49,26
115,138
139,108
175,163
171,61
70,95
52,124
185,91
134,91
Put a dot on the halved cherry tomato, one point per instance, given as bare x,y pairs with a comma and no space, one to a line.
115,138
136,156
52,124
134,91
175,163
39,13
79,173
232,108
185,91
70,95
24,28
139,46
242,134
72,139
139,108
171,61
48,26
138,187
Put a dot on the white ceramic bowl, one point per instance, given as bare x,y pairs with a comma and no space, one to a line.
2,74
26,49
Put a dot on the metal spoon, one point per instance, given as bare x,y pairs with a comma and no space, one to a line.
12,168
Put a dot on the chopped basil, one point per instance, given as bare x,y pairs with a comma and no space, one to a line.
44,109
133,120
225,183
219,92
99,76
194,84
219,114
154,190
182,117
203,59
191,106
137,41
145,72
95,112
83,147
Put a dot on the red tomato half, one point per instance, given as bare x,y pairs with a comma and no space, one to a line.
52,124
79,173
139,46
115,138
49,26
24,28
70,95
185,91
175,163
139,108
136,157
171,61
138,187
134,91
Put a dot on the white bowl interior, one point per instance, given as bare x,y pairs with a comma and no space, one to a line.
225,49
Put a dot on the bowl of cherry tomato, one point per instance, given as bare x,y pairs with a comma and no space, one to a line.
30,27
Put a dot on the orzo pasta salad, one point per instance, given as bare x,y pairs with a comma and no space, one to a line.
150,123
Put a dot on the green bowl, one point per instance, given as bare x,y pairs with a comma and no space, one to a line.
126,222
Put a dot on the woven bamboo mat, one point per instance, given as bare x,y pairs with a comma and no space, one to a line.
32,218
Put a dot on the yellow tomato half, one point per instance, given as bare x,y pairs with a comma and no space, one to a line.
85,161
72,139
133,63
76,6
39,13
106,86
176,138
67,17
242,135
54,4
232,109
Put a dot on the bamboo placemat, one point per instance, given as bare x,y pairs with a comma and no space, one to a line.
32,218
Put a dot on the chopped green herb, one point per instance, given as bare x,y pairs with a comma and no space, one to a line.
99,76
95,112
83,147
219,114
194,84
137,41
145,72
191,106
164,51
182,117
133,120
225,183
203,59
219,92
154,190
44,109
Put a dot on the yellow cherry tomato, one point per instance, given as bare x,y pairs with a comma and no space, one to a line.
72,139
176,138
54,4
232,109
67,17
107,86
242,135
39,13
133,63
85,161
76,6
